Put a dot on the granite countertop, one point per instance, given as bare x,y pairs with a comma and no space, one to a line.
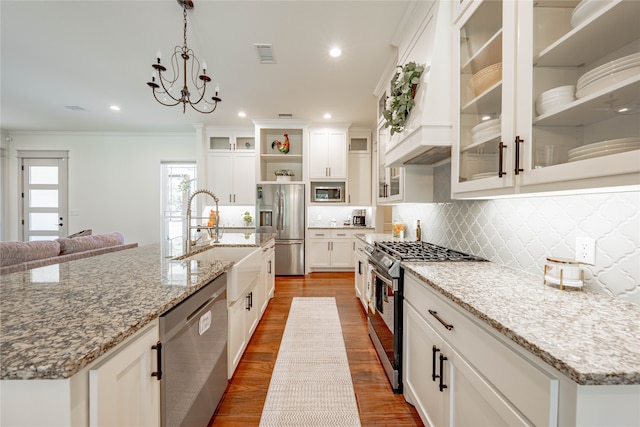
592,338
57,319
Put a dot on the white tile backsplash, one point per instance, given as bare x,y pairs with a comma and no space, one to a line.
522,232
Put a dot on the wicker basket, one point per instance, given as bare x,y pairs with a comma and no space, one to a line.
485,78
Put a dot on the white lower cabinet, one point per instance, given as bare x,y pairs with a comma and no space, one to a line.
330,249
117,389
462,375
244,314
122,391
362,264
268,274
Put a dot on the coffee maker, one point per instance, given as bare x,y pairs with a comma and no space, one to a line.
358,217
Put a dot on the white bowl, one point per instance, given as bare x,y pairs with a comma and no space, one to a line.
561,91
548,106
604,152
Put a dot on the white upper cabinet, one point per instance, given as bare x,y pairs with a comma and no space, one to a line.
231,165
584,121
548,97
328,153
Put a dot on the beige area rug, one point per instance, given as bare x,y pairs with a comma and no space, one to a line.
311,383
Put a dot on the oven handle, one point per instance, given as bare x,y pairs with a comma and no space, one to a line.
381,277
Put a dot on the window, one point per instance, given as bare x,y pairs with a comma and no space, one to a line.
178,183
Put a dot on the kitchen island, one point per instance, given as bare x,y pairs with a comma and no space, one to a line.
582,348
59,321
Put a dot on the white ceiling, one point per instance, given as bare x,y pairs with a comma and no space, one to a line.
94,54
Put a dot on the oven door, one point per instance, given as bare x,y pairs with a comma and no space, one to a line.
385,325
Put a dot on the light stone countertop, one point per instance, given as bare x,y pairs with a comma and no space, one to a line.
592,338
57,319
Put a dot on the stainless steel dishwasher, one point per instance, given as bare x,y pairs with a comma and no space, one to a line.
193,356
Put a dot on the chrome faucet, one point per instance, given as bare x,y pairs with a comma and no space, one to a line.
191,243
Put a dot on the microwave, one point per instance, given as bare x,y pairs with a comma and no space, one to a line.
328,194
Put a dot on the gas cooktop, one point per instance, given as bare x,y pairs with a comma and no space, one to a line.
422,251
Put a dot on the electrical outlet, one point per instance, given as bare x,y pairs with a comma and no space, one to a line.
586,250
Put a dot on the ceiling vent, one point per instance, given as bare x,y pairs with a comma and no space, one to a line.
285,115
265,53
75,108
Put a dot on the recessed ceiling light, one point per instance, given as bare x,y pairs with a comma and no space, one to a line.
115,108
242,114
327,116
485,118
335,52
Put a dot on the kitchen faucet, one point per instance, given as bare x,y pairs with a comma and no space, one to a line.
191,243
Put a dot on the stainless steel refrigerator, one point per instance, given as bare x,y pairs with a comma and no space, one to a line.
280,210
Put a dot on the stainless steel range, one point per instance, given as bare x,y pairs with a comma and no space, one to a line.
385,316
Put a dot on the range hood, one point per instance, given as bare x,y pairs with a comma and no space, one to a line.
428,133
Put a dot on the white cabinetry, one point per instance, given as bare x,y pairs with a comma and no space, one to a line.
508,54
121,389
328,153
456,373
330,249
362,271
268,273
231,166
411,184
246,299
116,389
359,169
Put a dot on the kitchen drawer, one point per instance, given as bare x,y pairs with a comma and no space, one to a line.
341,234
531,390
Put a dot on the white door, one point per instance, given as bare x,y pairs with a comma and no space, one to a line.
44,198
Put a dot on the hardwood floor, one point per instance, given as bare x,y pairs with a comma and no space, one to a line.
242,403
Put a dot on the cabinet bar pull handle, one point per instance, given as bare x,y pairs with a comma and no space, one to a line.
518,169
442,386
434,350
248,306
501,148
158,348
445,324
269,267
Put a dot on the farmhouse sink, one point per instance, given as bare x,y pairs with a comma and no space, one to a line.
246,268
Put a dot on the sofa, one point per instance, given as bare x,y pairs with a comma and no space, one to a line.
21,256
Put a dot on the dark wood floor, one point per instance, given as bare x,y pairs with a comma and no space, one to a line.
378,405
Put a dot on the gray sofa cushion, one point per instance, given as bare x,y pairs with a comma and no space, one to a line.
18,252
87,243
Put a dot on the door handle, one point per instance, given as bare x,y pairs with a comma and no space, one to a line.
158,348
501,148
434,350
518,169
442,386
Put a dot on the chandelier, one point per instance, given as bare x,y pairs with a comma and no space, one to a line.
184,58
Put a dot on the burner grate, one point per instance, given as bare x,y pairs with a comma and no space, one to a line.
423,251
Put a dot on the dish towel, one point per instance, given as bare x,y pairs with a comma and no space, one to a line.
311,382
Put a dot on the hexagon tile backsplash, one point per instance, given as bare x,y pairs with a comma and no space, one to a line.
520,233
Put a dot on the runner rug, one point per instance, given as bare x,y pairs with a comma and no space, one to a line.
311,383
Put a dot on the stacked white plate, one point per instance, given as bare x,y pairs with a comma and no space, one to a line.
554,98
483,175
608,74
604,148
485,131
586,9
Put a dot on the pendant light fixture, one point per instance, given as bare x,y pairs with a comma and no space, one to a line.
164,89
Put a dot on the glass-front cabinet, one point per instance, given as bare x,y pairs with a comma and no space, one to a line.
482,158
585,108
548,96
